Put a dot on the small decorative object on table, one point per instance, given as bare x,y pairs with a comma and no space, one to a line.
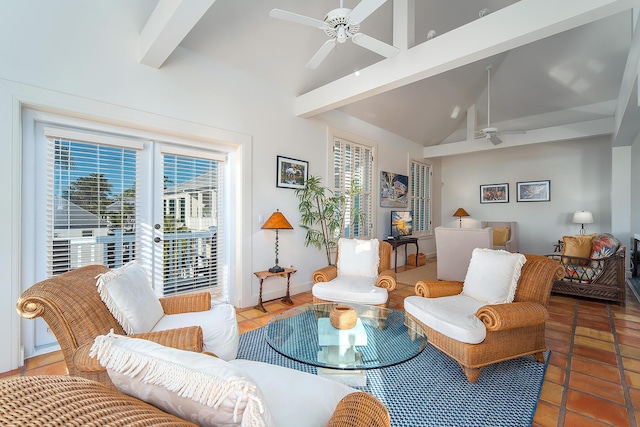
343,317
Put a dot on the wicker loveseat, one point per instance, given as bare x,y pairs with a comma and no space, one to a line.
594,267
65,401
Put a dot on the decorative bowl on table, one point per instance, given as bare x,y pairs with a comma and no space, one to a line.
343,317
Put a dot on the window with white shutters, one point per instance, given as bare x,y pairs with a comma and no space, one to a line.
352,169
420,196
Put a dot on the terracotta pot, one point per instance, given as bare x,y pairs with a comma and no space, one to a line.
343,317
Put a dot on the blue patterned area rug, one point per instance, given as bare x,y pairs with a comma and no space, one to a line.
431,390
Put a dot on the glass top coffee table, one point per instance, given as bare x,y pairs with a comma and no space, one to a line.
380,338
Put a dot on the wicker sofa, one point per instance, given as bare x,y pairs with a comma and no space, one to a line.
65,401
598,273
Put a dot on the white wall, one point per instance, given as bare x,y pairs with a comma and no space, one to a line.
580,175
81,57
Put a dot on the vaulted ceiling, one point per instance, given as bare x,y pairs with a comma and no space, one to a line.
554,65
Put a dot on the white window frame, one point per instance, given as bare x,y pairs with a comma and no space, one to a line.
100,117
423,196
358,142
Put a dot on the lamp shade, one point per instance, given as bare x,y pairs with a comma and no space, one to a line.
460,212
277,221
583,217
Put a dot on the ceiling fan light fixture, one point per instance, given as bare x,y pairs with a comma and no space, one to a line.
342,36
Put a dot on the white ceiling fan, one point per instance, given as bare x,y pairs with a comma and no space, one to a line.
491,133
341,24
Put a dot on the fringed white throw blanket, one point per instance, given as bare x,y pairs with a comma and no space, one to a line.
233,398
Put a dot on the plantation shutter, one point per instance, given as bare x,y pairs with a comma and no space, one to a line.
192,220
352,168
420,197
91,199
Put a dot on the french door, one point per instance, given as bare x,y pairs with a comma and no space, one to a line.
110,199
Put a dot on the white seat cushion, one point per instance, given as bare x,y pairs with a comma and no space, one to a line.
493,275
127,293
219,328
359,290
358,257
453,316
295,398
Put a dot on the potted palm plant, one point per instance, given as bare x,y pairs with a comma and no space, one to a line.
323,214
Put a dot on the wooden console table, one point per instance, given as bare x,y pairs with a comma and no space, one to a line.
395,243
261,275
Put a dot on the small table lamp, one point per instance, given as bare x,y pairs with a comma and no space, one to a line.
460,213
276,221
582,218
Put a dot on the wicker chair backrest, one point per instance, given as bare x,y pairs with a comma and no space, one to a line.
536,279
71,306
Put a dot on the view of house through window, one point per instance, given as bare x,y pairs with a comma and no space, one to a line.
352,176
95,220
420,196
191,215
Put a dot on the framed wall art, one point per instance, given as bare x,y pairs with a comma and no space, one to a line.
394,189
534,191
494,193
291,173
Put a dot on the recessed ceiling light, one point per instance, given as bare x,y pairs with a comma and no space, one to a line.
356,73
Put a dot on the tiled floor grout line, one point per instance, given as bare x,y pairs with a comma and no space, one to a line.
565,386
623,378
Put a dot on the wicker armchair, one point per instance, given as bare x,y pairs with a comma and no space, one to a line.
64,401
71,306
598,278
513,329
386,278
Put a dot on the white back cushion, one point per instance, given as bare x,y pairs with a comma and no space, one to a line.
493,275
219,328
358,257
193,386
127,293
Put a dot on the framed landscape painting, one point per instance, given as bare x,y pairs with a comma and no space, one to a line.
534,191
291,173
494,193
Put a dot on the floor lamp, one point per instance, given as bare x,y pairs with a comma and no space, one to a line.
276,221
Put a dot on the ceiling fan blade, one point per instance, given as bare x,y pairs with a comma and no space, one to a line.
364,9
321,54
297,19
375,45
513,132
494,139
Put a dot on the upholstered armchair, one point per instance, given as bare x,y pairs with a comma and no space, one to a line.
454,247
505,234
461,323
73,309
362,274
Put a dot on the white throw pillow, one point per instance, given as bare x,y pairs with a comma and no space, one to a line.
358,257
493,275
194,386
128,295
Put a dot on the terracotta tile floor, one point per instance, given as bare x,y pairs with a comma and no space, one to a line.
593,378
